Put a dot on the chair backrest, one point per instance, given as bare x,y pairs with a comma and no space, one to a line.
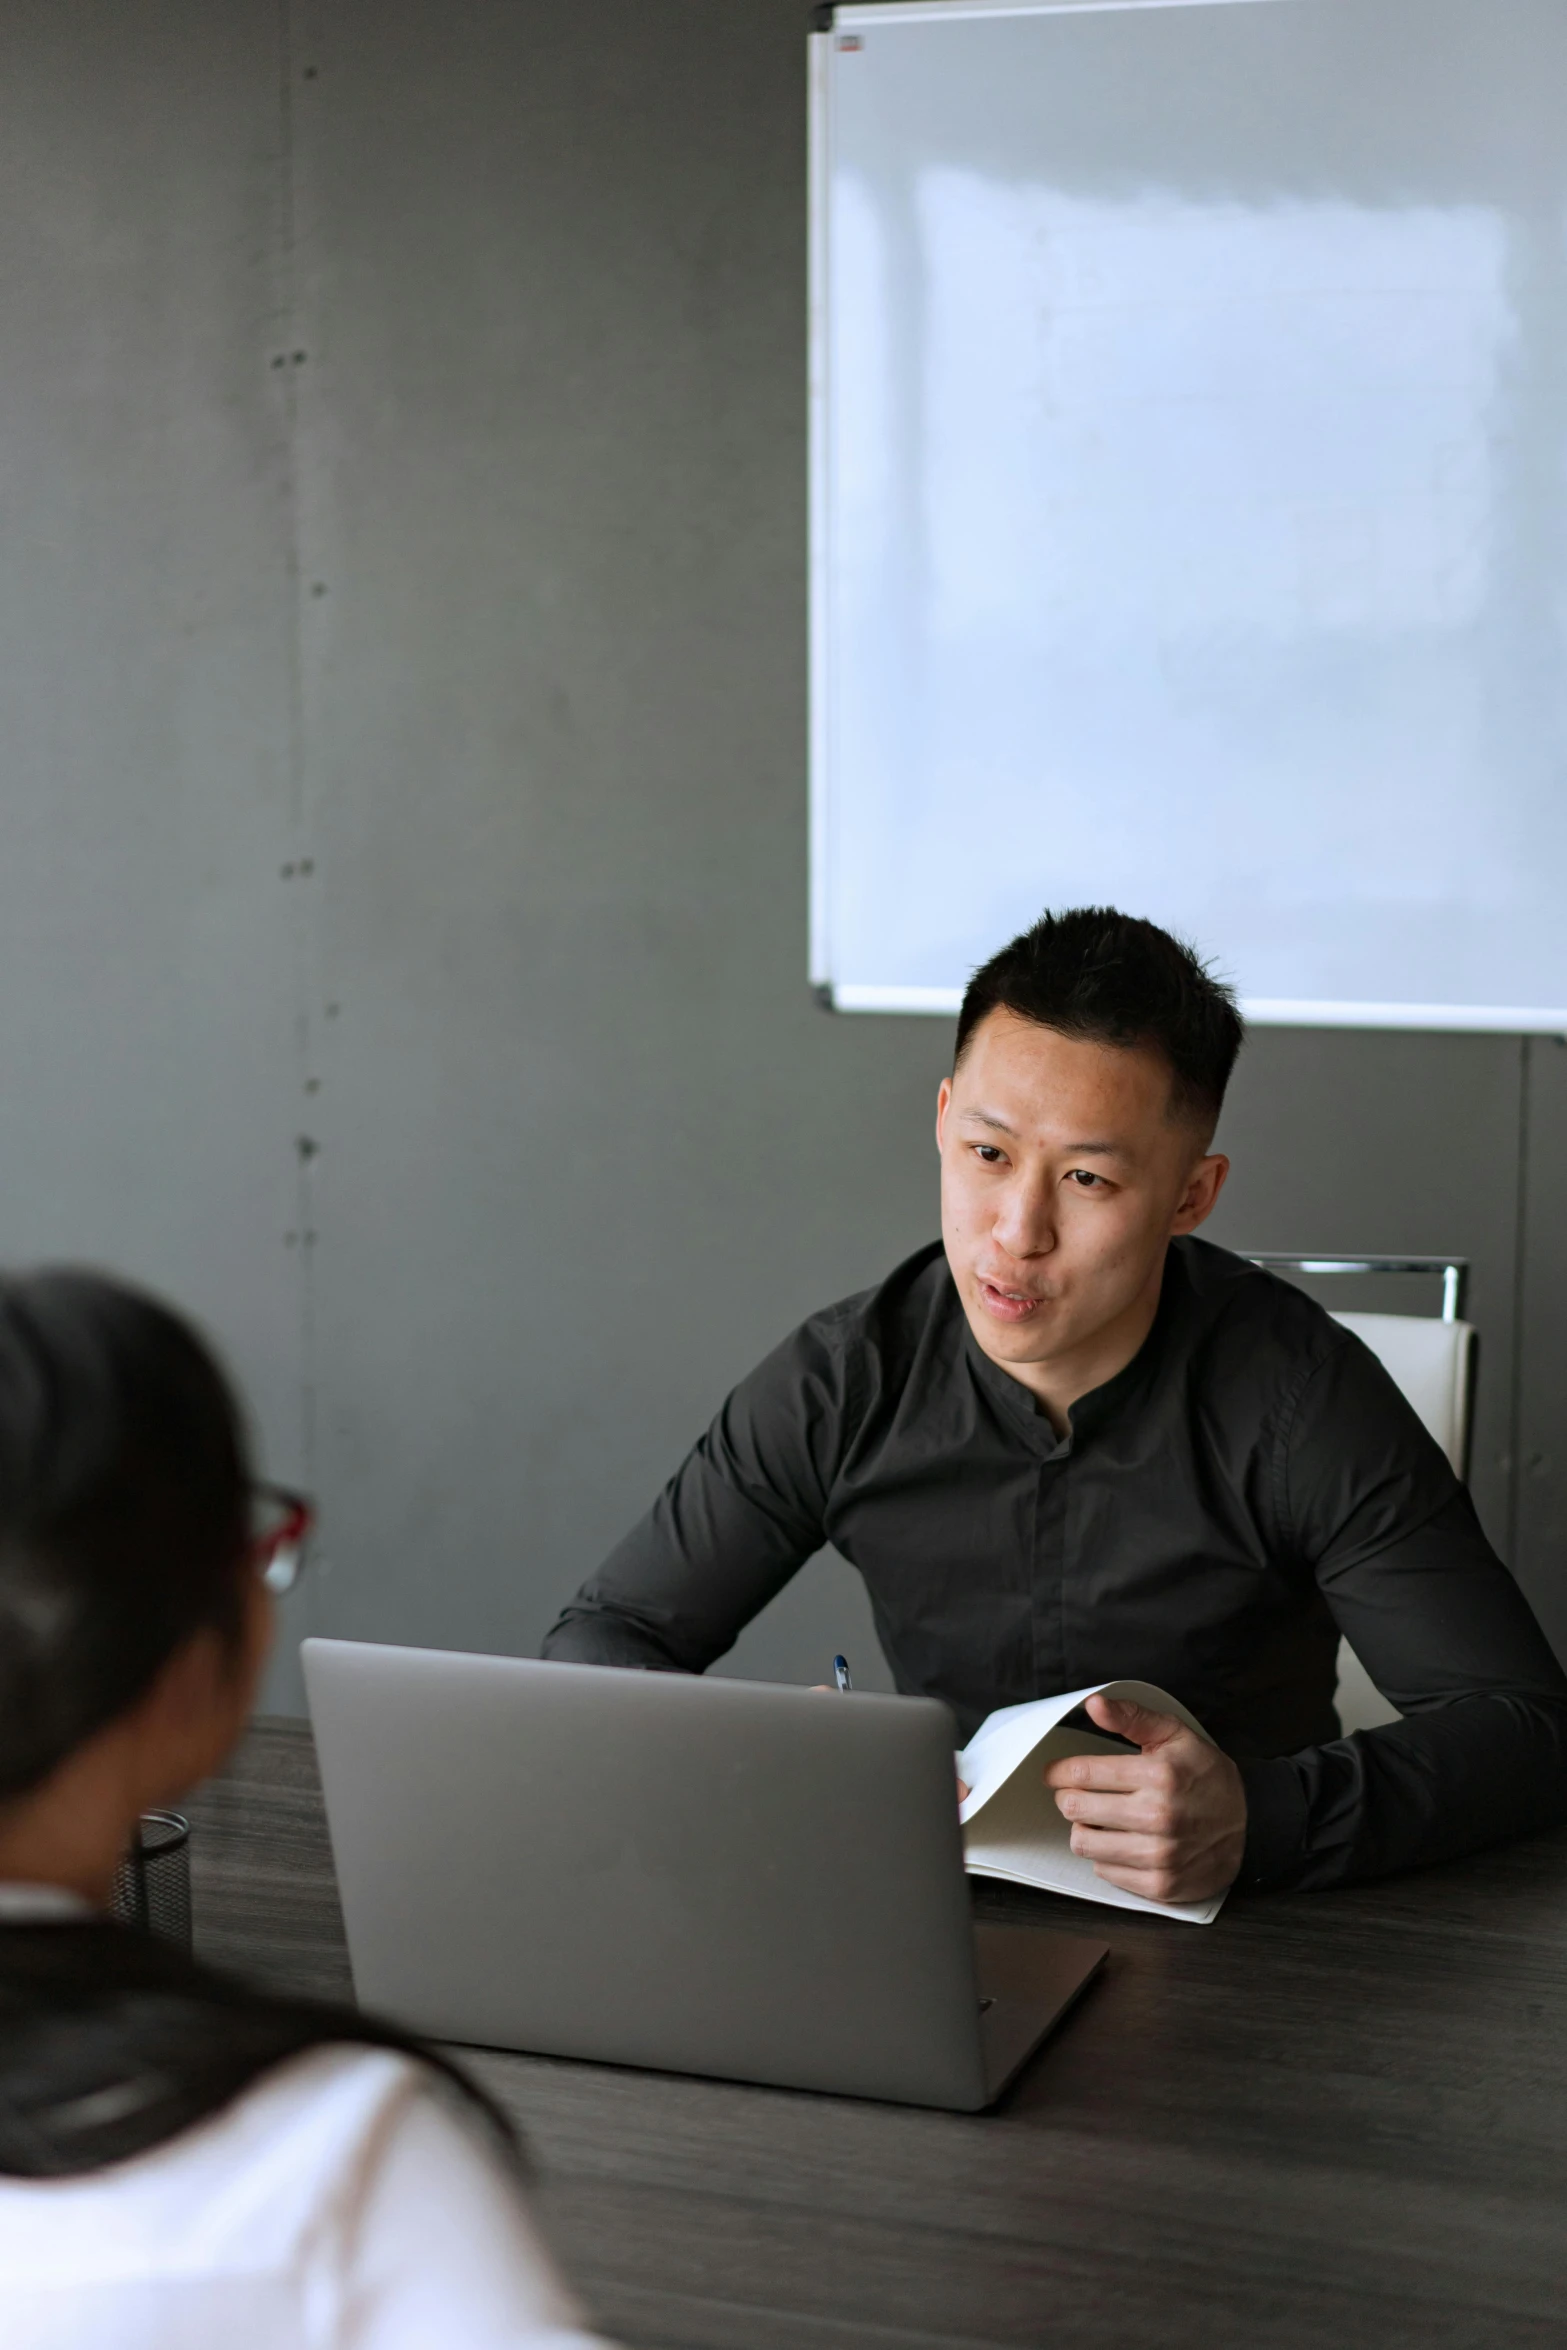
1433,1363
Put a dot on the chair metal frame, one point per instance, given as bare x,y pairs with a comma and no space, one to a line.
1454,1271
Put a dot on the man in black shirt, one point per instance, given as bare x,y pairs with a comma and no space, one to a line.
1073,1443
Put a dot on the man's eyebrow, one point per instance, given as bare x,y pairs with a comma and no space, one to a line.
1071,1150
989,1118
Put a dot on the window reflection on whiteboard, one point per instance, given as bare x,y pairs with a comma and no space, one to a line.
1176,548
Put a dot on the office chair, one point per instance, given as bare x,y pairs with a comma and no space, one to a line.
1432,1361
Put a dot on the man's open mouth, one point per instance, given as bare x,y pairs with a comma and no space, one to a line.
1008,1305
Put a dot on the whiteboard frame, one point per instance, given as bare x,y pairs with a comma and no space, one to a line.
860,13
818,565
1262,1011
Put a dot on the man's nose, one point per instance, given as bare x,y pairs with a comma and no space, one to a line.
1025,1225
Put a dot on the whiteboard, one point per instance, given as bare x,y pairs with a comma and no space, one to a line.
1189,495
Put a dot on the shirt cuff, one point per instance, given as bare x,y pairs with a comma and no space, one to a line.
1275,1821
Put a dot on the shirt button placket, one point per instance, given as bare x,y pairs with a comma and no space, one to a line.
1049,1576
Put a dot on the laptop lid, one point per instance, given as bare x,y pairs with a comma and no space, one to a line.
653,1869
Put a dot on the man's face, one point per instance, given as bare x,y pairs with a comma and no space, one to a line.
1063,1177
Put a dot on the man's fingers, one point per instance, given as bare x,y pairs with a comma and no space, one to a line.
1142,1810
1138,1864
1114,1774
1152,1884
1138,1722
962,1792
1133,1849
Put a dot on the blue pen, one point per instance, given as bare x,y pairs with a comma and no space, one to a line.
840,1672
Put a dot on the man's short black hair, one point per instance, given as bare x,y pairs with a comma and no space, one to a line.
1110,978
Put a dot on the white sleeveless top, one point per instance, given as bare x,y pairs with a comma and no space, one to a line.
342,2203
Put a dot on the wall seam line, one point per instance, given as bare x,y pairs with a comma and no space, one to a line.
299,875
1520,1292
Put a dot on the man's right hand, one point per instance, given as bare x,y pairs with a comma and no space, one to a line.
1168,1823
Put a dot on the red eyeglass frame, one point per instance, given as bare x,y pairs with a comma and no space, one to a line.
284,1541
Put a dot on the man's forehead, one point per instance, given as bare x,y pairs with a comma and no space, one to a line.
1067,1092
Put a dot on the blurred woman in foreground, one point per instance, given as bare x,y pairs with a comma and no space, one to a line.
183,2162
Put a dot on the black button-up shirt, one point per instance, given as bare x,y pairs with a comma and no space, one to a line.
1248,1488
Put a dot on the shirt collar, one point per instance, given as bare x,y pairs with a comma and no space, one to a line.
1101,1404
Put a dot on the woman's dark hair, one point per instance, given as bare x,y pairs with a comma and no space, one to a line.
1111,978
124,1514
124,1497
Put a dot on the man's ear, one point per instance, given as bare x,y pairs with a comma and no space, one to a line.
943,1105
1201,1195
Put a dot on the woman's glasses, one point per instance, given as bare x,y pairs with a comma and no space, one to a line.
280,1528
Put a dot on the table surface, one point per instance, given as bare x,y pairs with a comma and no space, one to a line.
1327,2119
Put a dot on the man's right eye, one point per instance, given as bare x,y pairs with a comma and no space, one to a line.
988,1152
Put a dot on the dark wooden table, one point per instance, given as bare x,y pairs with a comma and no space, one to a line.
1327,2119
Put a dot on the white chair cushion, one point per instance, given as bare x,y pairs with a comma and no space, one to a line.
1431,1362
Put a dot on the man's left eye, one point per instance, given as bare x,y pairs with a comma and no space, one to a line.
1080,1175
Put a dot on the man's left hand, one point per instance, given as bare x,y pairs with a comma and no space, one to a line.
1169,1823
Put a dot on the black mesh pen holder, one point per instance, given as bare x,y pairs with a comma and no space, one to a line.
152,1882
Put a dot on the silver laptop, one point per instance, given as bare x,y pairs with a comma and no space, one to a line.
700,1875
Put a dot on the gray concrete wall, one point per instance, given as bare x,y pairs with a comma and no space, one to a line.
148,991
500,1133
